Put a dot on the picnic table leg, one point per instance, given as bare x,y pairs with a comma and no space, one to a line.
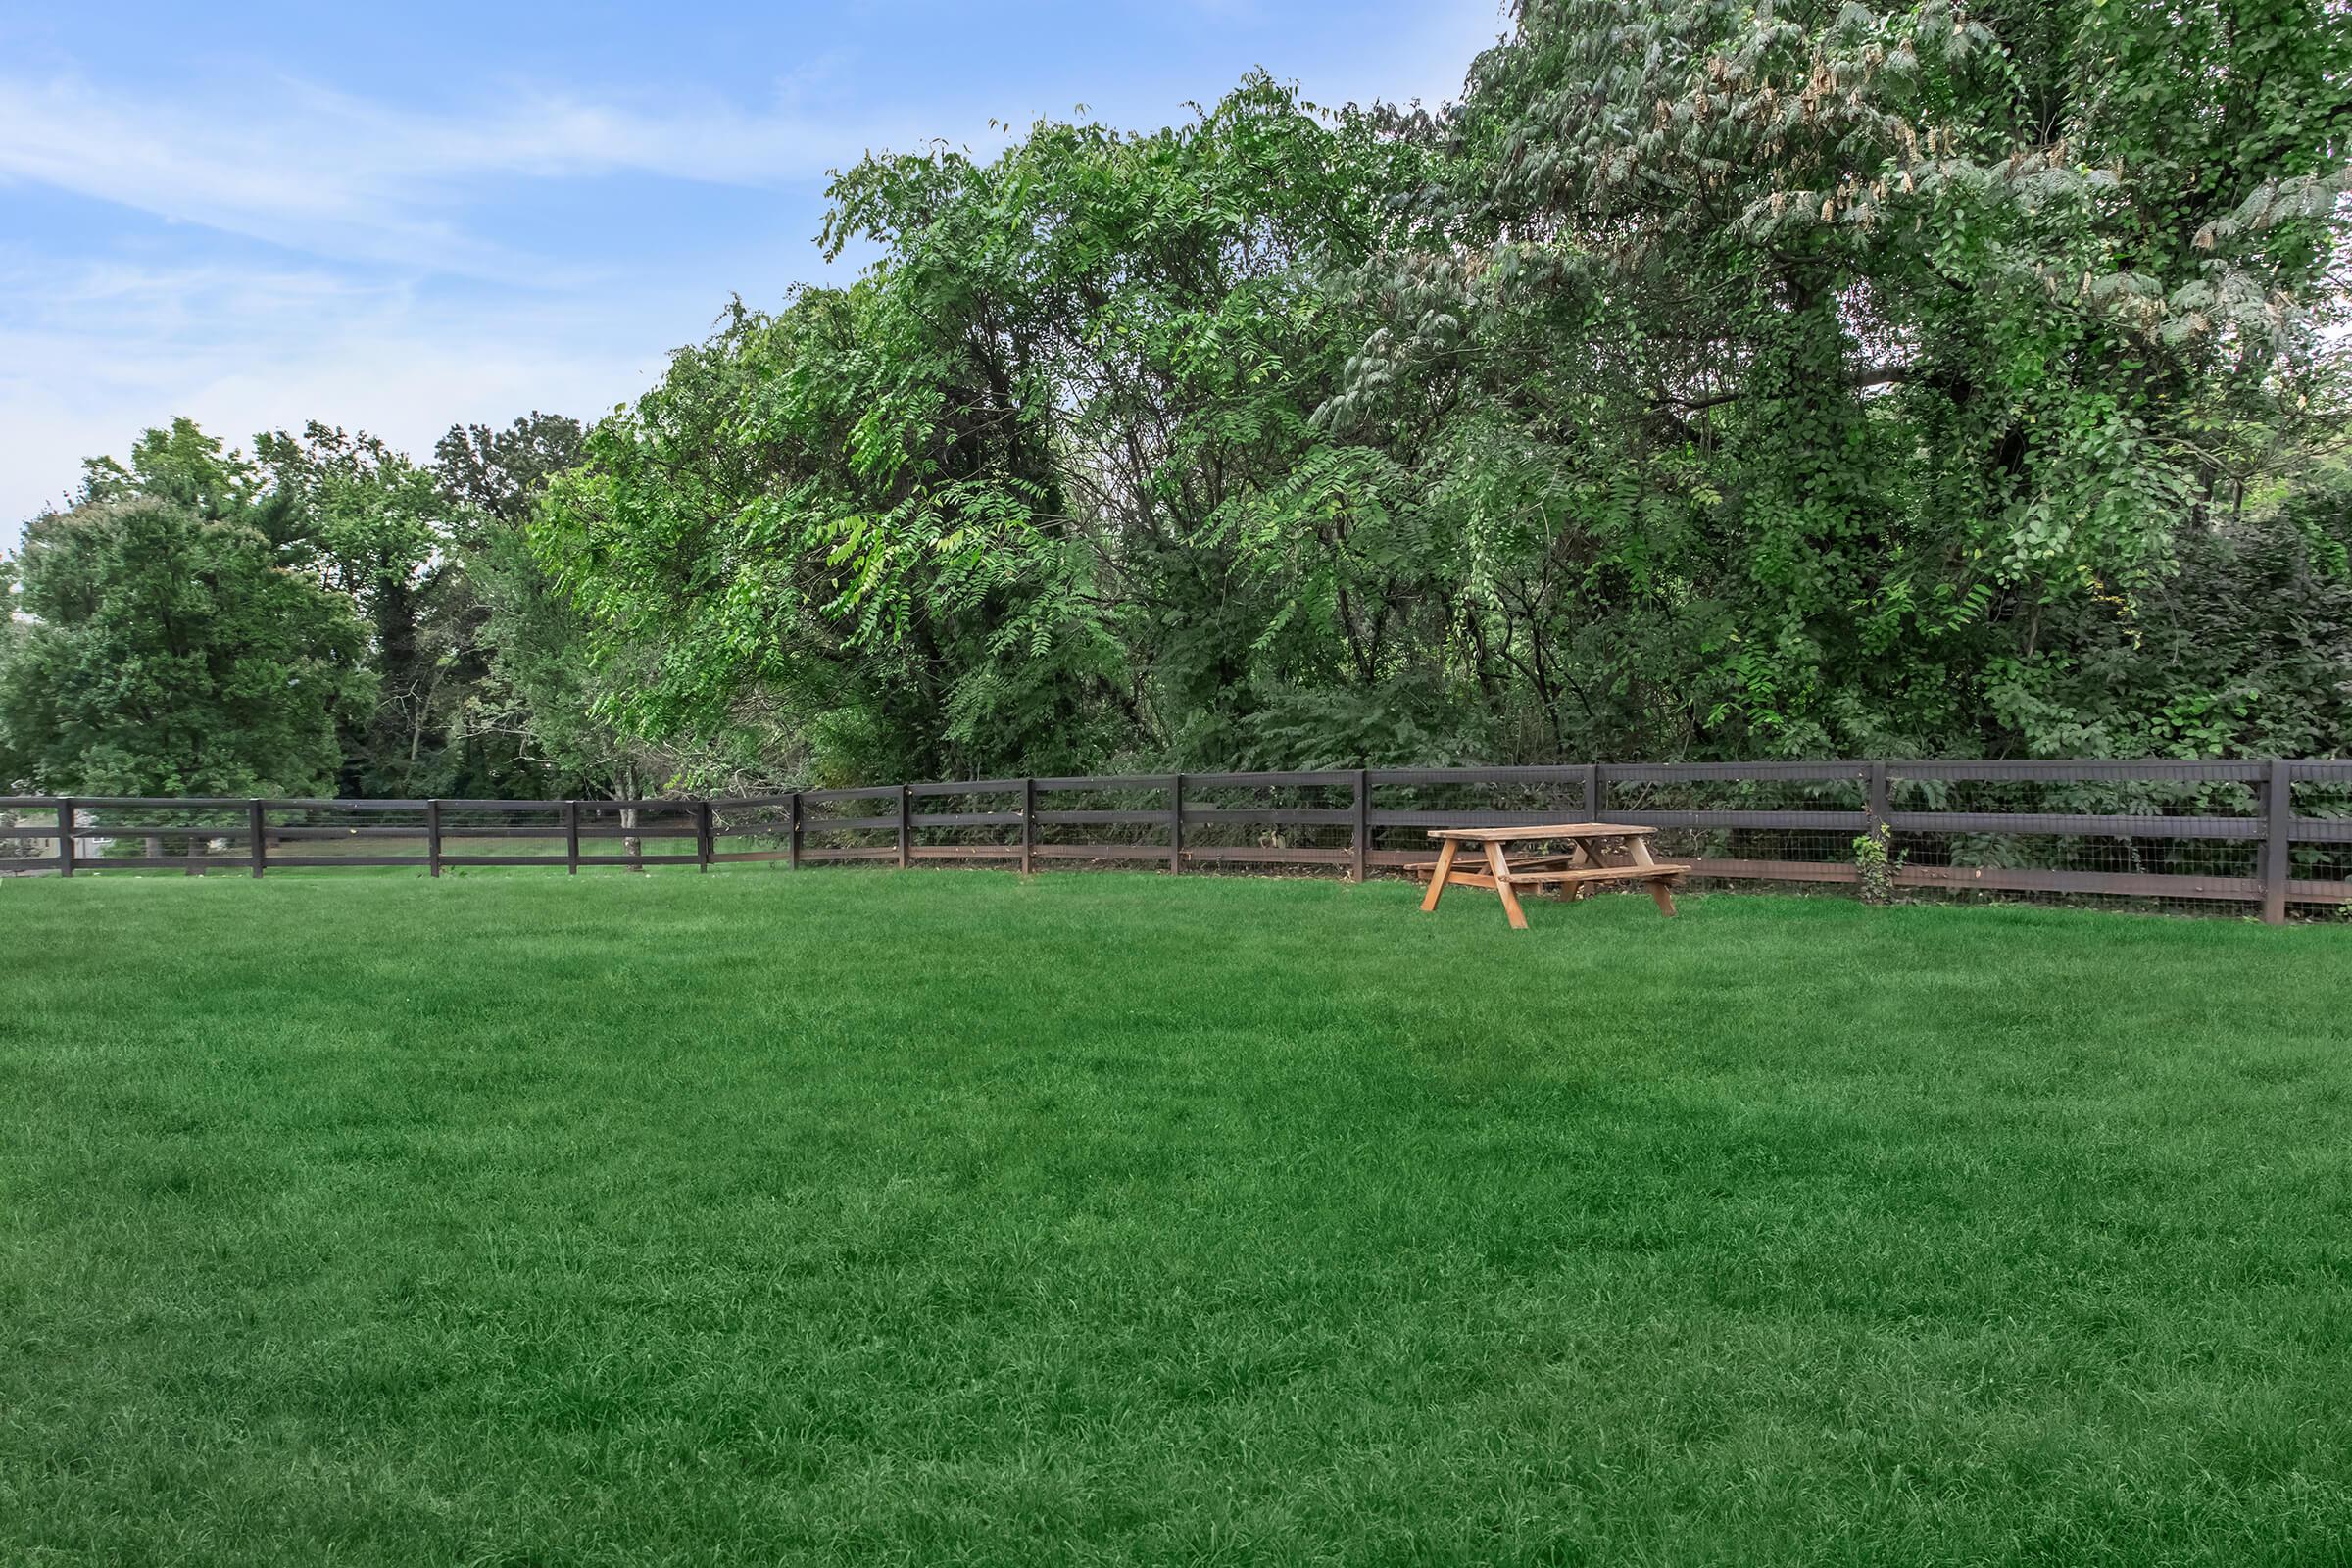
1659,893
1578,891
1437,881
1501,868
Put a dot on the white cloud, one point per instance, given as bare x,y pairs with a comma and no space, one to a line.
396,311
300,165
337,175
112,349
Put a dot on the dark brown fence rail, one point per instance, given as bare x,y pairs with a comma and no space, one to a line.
2272,835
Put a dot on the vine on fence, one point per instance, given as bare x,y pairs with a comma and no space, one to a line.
1877,864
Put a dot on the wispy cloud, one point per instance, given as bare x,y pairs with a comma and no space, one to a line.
395,301
91,355
306,166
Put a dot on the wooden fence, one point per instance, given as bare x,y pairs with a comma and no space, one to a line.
2262,834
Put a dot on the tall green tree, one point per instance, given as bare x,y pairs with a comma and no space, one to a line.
1713,380
1806,366
168,653
373,526
1044,485
537,680
497,475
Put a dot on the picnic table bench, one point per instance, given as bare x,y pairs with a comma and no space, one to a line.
1599,853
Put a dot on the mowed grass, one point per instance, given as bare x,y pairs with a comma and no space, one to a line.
866,1217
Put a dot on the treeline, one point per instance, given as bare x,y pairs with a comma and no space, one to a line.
1714,380
324,616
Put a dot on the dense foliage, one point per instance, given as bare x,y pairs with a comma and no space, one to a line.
325,615
1713,380
163,651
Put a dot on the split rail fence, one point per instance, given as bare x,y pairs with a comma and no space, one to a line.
2270,836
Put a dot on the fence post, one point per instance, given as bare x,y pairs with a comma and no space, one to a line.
1175,821
257,848
1363,824
2278,840
792,852
1876,793
572,838
432,838
1028,827
64,837
703,848
906,824
1594,803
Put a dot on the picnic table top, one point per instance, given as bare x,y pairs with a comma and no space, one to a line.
1544,830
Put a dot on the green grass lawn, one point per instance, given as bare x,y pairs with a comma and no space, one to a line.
855,1217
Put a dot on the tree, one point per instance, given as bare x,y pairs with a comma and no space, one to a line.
16,765
1713,380
1043,487
539,684
499,475
168,653
1802,368
374,527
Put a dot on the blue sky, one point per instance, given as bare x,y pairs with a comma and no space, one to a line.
258,215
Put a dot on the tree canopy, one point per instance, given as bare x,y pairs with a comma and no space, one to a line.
1714,379
167,655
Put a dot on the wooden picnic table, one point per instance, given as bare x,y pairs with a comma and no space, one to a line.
1601,852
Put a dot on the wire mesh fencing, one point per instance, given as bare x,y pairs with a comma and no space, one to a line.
2230,836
